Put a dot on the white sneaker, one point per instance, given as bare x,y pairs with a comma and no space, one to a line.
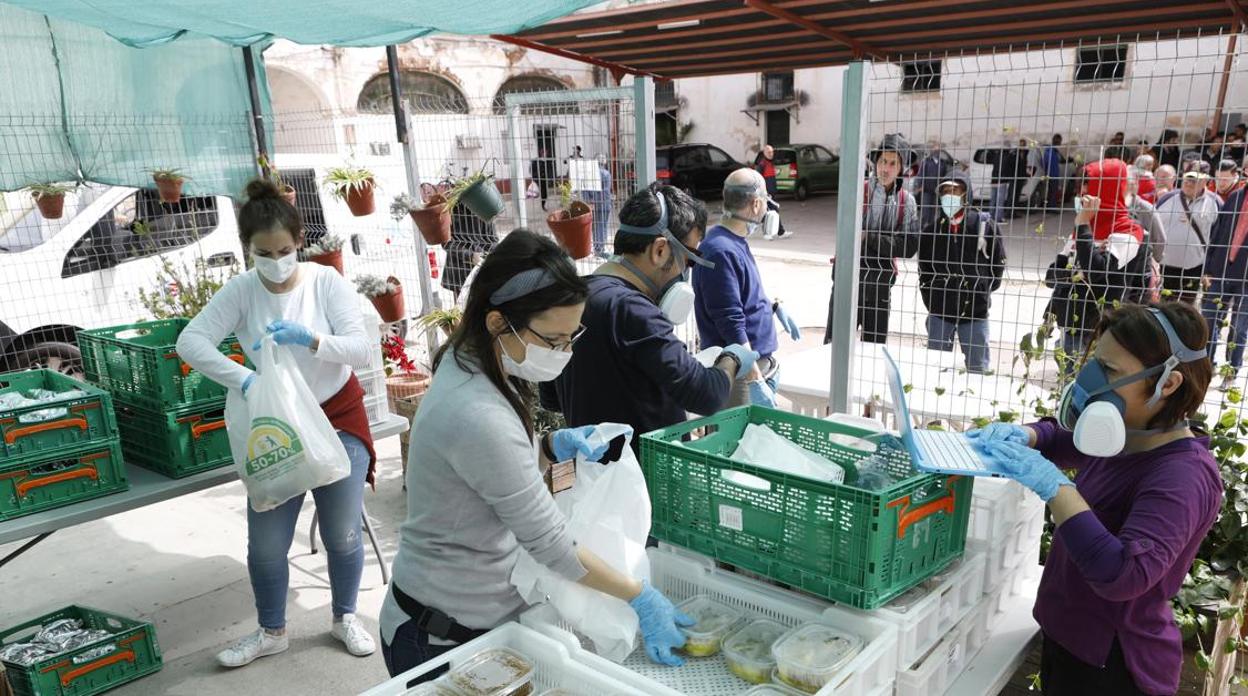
353,634
252,646
769,237
786,234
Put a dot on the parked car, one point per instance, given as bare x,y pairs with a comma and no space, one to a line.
698,168
805,169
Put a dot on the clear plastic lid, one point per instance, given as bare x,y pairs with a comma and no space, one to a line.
810,655
772,690
713,618
499,672
748,650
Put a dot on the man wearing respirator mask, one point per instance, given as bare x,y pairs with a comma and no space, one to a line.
731,304
1130,524
630,367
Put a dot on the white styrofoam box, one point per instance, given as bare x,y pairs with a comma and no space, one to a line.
373,381
378,408
950,596
683,575
995,507
937,669
554,665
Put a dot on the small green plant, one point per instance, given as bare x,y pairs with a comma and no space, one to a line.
342,180
372,286
445,319
50,189
565,194
183,291
271,172
160,174
327,244
465,183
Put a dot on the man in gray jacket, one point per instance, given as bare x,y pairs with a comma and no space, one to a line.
1187,215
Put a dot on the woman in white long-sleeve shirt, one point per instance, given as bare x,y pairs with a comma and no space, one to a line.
475,495
314,312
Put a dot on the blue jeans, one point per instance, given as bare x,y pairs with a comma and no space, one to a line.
1232,294
340,508
602,224
971,333
410,649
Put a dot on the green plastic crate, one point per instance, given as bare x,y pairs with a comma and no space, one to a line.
175,443
139,364
853,546
88,419
129,653
61,479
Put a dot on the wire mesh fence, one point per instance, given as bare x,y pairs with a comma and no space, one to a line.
986,305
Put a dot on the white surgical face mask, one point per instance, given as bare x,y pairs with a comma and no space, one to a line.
951,204
276,271
540,364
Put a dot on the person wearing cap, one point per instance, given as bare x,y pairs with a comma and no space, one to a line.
961,261
1226,283
890,230
1187,215
731,306
1226,179
630,367
475,491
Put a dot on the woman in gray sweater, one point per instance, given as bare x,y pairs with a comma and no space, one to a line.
476,496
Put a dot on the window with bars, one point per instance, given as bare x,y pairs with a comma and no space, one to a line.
777,87
920,76
1101,64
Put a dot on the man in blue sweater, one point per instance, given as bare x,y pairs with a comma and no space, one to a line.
629,366
732,306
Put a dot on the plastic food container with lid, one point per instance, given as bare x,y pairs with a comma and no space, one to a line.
748,650
437,688
772,690
498,672
714,620
810,655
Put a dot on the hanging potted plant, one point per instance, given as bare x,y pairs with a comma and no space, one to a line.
404,380
572,224
50,199
355,186
169,184
386,295
477,193
432,218
288,191
444,319
327,251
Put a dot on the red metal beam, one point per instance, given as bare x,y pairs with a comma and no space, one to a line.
860,49
1238,11
617,70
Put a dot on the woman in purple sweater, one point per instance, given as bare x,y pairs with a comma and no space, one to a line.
1130,524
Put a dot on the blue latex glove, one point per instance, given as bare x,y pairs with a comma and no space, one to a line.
569,442
287,333
1007,432
247,382
762,395
660,625
787,322
1028,467
746,356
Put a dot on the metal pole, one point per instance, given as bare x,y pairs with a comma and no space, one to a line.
848,234
643,114
429,300
257,114
518,192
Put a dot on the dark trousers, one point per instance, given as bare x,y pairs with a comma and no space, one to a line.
929,207
875,295
410,649
1183,283
1063,674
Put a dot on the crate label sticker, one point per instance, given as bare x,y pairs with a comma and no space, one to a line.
731,518
93,654
273,449
955,655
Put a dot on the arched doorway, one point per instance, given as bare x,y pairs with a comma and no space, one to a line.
423,93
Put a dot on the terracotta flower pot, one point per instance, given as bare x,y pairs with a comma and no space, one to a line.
484,201
360,200
390,306
573,229
170,190
51,205
433,220
403,389
332,259
288,192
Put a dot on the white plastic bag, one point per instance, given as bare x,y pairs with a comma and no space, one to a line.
608,511
762,447
282,442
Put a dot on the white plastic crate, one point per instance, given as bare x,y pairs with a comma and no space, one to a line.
373,327
976,625
681,575
554,665
937,669
373,381
378,409
995,507
950,597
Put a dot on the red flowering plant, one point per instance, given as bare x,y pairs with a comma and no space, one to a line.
395,352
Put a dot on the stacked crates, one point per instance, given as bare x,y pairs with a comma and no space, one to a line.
171,417
56,453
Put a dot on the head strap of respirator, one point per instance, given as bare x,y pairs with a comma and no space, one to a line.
659,229
758,193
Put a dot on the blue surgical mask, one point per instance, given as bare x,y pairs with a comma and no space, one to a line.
951,204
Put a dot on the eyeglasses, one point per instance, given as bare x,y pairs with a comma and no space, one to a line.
560,345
